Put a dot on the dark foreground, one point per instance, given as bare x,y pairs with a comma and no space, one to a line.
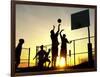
84,67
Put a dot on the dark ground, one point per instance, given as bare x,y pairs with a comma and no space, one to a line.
83,67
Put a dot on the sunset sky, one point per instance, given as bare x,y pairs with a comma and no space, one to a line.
34,22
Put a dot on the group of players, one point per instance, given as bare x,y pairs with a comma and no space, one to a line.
43,56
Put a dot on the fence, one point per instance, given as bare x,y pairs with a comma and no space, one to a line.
25,58
77,51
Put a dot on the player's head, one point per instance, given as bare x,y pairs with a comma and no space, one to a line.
52,32
64,35
21,41
41,47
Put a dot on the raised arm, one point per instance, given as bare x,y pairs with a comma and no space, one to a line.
58,30
49,51
61,32
59,27
53,27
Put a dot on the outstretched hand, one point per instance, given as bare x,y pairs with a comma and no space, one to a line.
53,27
62,30
70,42
49,49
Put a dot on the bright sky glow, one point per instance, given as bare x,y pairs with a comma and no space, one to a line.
33,23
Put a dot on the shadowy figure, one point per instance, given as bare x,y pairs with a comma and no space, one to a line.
55,43
46,58
64,42
41,54
18,52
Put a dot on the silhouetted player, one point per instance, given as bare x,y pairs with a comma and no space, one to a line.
64,42
46,58
41,54
18,52
55,43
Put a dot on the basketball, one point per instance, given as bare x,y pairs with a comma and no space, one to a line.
59,20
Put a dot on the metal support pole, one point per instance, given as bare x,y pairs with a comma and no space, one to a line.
74,50
36,53
29,58
70,56
88,34
46,51
89,49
